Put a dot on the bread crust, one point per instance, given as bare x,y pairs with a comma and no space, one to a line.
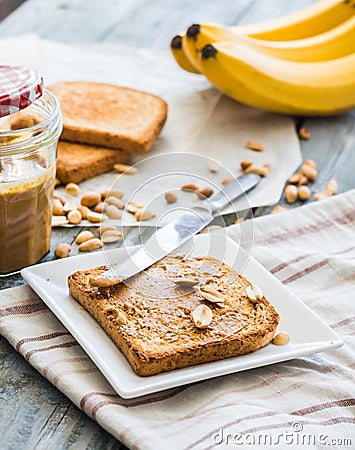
110,116
79,162
150,319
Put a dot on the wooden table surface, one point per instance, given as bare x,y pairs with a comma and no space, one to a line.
33,413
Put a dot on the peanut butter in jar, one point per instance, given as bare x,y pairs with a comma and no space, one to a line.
28,145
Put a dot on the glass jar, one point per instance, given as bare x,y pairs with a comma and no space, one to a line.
28,148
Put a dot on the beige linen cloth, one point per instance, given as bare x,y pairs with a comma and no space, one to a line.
307,402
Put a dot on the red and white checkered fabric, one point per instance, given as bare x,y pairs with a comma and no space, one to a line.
19,87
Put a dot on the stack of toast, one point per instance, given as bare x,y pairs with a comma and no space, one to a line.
104,125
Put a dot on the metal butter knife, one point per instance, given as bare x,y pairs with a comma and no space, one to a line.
173,235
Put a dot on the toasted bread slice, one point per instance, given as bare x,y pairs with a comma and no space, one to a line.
150,318
110,116
79,162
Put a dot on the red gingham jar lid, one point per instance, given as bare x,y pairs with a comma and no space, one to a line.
19,87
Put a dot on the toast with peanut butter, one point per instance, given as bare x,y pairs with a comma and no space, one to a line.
157,318
79,162
110,116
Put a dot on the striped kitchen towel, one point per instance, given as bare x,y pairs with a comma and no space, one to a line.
307,402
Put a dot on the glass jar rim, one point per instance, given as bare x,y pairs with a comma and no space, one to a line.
31,143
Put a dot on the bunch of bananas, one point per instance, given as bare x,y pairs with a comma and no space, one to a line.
301,64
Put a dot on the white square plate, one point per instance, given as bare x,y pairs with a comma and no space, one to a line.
49,280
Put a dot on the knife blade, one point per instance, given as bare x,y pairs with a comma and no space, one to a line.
173,235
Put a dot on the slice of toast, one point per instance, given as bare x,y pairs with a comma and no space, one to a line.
79,162
150,317
109,115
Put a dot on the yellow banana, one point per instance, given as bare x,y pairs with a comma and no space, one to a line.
315,19
299,88
179,55
337,42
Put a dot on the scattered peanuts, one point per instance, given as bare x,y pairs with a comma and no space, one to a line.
304,133
295,178
113,212
214,165
74,216
227,180
253,145
204,193
124,168
281,338
309,170
62,250
94,217
259,170
291,193
245,164
304,192
108,193
112,200
278,209
84,236
90,245
72,189
132,206
190,187
143,214
57,207
170,197
110,236
331,188
69,206
90,199
84,211
211,294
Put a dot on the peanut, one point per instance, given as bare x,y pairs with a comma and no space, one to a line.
74,216
291,193
211,294
189,187
227,180
321,196
210,228
295,178
310,162
304,192
304,133
204,193
62,250
108,193
132,206
143,214
202,316
253,145
186,281
309,171
112,200
113,212
90,199
100,207
84,236
109,236
254,293
331,187
281,338
84,211
58,221
72,189
262,171
101,230
170,197
90,245
302,181
69,206
214,165
245,164
94,217
278,209
58,208
124,168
